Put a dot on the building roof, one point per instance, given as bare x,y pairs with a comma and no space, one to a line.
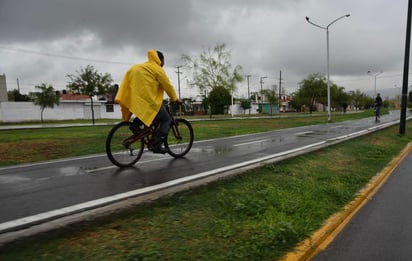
74,97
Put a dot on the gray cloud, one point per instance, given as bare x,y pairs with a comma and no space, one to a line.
115,22
264,36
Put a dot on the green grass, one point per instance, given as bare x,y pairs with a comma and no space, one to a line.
258,215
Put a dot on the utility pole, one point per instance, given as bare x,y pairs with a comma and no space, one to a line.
178,78
261,92
248,92
18,85
280,89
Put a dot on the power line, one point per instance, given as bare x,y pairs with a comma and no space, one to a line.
61,56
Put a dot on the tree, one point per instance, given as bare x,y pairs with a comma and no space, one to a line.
218,98
272,96
47,98
15,95
213,69
359,99
312,90
339,98
88,81
245,104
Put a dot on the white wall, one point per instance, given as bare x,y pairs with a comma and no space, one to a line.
67,110
237,109
72,110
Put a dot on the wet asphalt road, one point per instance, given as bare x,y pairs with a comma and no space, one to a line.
33,189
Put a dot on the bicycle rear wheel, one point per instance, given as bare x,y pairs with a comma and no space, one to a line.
121,148
179,140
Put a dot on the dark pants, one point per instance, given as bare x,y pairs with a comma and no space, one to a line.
165,121
378,111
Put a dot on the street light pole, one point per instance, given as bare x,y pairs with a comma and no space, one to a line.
374,75
402,125
327,55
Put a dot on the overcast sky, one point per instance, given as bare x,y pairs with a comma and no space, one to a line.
42,41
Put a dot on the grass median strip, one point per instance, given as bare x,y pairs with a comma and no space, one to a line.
259,215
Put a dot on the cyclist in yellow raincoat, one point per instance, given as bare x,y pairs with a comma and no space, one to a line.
141,93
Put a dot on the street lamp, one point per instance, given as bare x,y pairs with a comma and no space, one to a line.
261,92
374,75
327,54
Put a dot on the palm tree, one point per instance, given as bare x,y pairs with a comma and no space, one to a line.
47,98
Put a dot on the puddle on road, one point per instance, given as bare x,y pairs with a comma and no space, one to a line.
62,172
5,179
70,171
213,150
312,133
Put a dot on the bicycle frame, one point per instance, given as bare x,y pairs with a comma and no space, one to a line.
151,131
174,122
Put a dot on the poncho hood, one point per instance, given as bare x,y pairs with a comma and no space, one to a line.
153,57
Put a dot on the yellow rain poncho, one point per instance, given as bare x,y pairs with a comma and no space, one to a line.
142,88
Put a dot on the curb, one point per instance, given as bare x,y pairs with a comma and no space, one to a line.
321,238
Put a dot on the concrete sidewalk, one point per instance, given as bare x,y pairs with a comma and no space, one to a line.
375,226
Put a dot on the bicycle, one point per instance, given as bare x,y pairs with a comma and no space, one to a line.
377,113
124,147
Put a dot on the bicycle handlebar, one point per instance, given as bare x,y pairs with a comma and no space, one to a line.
178,102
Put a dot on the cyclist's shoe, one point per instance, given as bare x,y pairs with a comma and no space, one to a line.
159,149
157,145
135,129
137,126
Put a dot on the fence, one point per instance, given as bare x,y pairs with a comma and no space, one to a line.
73,110
67,110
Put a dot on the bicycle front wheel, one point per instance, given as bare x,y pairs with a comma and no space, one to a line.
179,140
121,148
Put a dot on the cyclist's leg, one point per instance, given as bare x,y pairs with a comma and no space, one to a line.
378,113
165,120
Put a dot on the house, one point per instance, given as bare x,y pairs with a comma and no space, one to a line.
74,97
